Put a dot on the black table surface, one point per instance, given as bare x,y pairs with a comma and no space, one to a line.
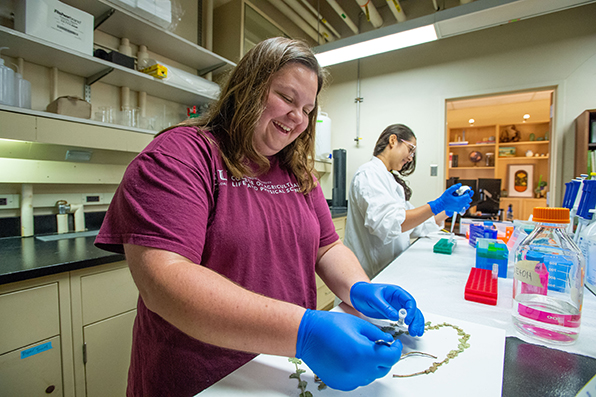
23,258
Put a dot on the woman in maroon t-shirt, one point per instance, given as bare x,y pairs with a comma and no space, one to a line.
224,225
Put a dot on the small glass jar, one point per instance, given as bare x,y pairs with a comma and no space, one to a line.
548,280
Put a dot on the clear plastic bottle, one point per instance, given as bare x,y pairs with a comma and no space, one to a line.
552,312
6,83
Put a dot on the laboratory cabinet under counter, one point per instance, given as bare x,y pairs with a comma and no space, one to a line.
68,333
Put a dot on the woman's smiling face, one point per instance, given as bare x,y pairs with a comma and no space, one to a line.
291,98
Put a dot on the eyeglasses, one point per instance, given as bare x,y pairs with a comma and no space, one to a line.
411,148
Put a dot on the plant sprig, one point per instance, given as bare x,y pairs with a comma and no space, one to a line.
463,345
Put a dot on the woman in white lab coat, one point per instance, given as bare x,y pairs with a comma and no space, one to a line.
381,219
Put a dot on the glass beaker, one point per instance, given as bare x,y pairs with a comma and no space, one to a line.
548,280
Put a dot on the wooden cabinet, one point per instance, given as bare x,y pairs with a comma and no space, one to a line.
522,208
585,124
68,335
532,149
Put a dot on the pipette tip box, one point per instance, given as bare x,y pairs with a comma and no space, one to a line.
481,287
444,246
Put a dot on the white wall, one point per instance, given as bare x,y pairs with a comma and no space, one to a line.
410,86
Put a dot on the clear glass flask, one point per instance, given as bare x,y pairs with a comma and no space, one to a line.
548,280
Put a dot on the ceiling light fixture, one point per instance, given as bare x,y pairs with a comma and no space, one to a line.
465,18
526,117
471,121
378,45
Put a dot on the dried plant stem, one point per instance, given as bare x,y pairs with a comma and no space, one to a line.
463,344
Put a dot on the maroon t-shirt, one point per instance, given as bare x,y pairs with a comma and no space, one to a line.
260,232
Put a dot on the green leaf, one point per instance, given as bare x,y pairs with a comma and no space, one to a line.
302,384
300,371
295,360
294,376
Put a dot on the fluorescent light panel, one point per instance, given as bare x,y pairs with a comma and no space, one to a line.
391,42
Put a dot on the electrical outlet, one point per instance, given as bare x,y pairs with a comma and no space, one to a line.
92,198
434,170
9,201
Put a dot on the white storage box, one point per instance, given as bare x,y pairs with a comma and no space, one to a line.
57,22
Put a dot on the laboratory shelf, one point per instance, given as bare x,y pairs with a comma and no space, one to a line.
123,23
45,53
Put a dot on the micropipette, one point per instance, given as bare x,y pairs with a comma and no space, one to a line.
459,192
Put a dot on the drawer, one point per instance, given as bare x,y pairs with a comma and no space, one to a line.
35,370
28,316
107,294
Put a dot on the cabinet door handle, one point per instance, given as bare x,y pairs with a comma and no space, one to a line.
84,353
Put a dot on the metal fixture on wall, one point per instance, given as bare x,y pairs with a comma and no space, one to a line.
358,100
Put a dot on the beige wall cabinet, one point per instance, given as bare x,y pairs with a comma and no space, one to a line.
68,335
534,137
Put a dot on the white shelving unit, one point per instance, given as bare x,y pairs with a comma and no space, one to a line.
48,54
123,23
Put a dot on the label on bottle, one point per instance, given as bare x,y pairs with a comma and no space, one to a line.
566,320
525,271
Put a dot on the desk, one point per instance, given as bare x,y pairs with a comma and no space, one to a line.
437,282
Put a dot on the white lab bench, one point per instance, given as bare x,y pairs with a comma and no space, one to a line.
500,360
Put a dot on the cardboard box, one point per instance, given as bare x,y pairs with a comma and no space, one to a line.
71,106
56,22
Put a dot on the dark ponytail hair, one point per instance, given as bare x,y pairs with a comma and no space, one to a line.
401,132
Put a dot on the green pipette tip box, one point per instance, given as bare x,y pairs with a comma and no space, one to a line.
444,246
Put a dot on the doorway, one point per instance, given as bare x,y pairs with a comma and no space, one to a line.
501,143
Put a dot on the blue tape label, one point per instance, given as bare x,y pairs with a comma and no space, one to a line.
36,350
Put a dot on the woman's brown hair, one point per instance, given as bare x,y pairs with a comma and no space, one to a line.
233,117
401,132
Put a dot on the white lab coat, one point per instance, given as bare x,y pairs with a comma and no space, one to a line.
376,210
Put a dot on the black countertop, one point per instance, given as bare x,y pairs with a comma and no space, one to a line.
23,258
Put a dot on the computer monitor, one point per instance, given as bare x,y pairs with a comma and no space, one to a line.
472,183
489,190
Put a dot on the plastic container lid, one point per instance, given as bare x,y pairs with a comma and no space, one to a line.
534,256
550,215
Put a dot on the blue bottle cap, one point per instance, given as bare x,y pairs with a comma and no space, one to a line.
534,256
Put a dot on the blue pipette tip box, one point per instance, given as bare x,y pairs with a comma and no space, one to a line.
444,246
481,287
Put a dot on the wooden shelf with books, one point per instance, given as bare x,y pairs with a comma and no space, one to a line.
499,152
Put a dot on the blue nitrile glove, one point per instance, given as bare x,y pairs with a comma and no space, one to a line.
384,301
340,349
450,202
